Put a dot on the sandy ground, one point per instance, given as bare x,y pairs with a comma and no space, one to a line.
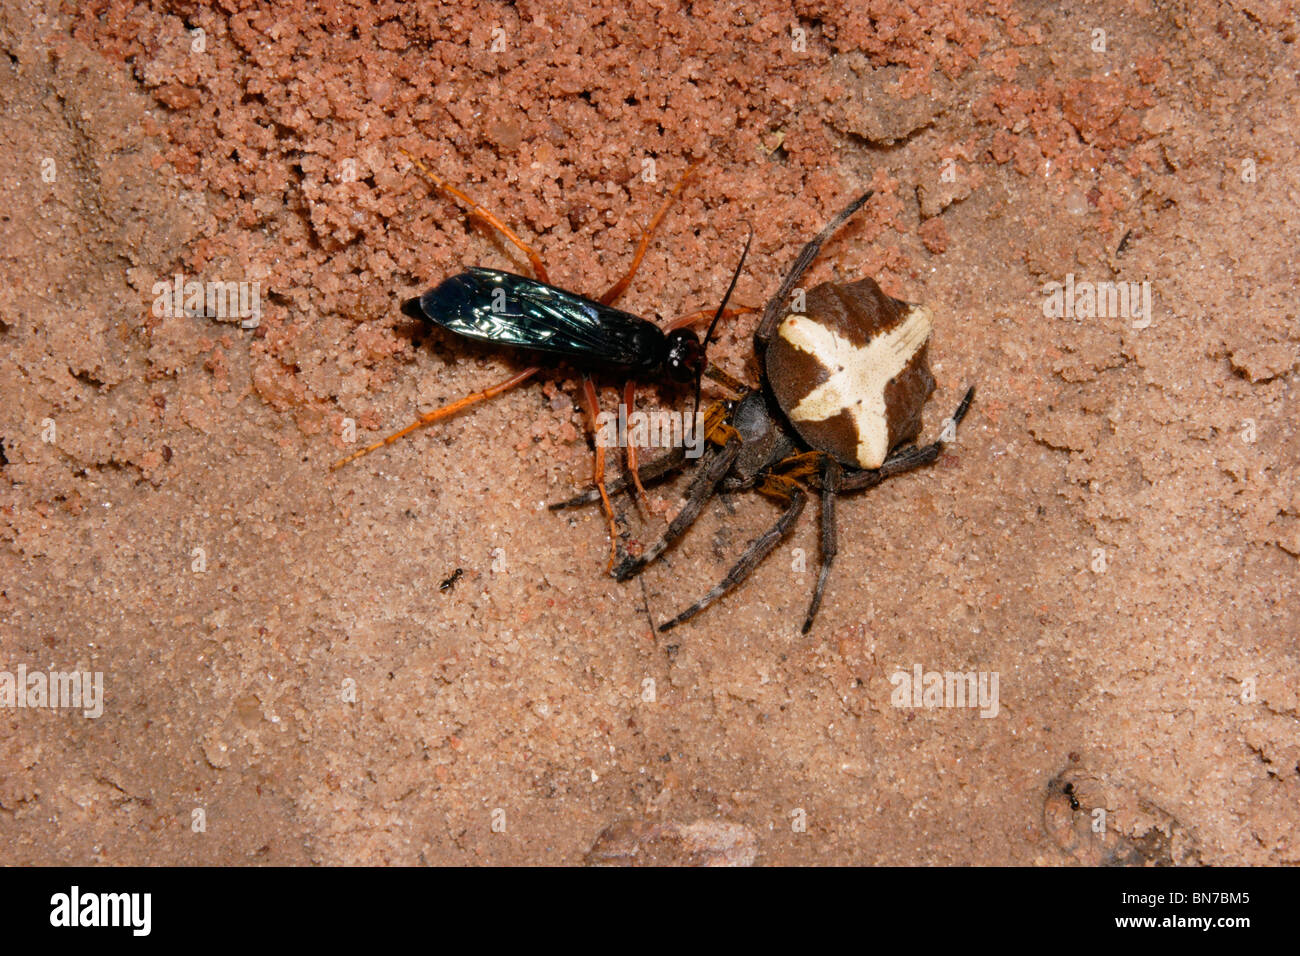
1115,533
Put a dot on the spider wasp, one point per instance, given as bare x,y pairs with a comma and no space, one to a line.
503,308
842,384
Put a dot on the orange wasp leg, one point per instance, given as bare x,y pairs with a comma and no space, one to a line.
591,405
440,413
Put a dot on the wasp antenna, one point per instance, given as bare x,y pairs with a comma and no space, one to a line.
708,336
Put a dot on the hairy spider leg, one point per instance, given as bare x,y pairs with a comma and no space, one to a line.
906,459
652,471
726,380
833,483
629,395
714,465
753,556
797,467
783,483
767,325
831,476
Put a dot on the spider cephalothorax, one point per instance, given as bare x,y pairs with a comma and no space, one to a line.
843,384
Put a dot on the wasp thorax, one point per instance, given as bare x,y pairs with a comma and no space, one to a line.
851,372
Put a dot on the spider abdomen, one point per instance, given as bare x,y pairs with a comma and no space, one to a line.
851,371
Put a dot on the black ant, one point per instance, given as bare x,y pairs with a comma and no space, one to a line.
1068,790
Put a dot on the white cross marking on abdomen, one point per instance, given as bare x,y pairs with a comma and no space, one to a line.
859,375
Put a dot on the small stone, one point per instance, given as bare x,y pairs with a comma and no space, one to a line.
703,843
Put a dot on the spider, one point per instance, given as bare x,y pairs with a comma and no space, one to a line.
842,384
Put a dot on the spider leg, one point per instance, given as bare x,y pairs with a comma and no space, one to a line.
806,255
906,459
758,549
731,486
831,476
715,465
727,380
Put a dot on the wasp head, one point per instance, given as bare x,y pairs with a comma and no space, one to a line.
685,358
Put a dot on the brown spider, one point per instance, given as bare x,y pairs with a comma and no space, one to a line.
842,385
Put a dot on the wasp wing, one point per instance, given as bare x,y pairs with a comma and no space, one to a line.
508,309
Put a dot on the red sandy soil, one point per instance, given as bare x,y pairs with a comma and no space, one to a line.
1115,532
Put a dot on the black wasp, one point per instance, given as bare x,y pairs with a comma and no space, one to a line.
531,314
507,309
